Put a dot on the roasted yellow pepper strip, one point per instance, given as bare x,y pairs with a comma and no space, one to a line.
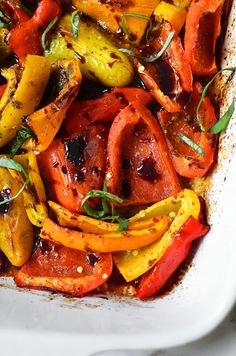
98,58
58,49
90,225
179,208
46,122
109,242
11,75
34,196
16,233
175,15
109,13
26,98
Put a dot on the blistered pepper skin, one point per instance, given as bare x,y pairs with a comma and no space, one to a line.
16,233
26,97
98,58
179,208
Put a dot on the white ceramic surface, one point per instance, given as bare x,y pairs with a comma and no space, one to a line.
192,310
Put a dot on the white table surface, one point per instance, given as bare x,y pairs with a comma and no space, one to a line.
222,342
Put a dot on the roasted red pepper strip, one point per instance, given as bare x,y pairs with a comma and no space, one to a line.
170,77
154,280
16,14
58,268
139,166
73,167
187,161
201,31
105,108
26,37
2,89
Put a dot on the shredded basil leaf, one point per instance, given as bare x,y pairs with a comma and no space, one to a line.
192,144
4,25
99,194
12,164
103,214
104,201
5,21
233,69
125,29
49,27
24,134
75,19
124,223
156,55
223,122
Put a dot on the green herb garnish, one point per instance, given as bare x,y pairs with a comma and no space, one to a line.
192,144
5,21
156,55
103,214
3,25
124,223
24,134
105,197
75,19
49,27
224,120
125,29
12,164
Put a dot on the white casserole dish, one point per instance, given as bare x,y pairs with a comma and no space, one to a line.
39,323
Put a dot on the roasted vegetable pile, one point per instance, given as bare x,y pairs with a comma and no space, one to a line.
105,118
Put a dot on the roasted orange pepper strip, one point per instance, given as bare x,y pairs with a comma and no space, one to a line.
110,242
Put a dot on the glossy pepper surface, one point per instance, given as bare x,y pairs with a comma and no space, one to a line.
26,98
58,268
178,250
34,196
139,166
26,37
201,32
179,208
75,165
47,121
110,13
187,161
168,78
87,224
104,242
16,233
105,108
